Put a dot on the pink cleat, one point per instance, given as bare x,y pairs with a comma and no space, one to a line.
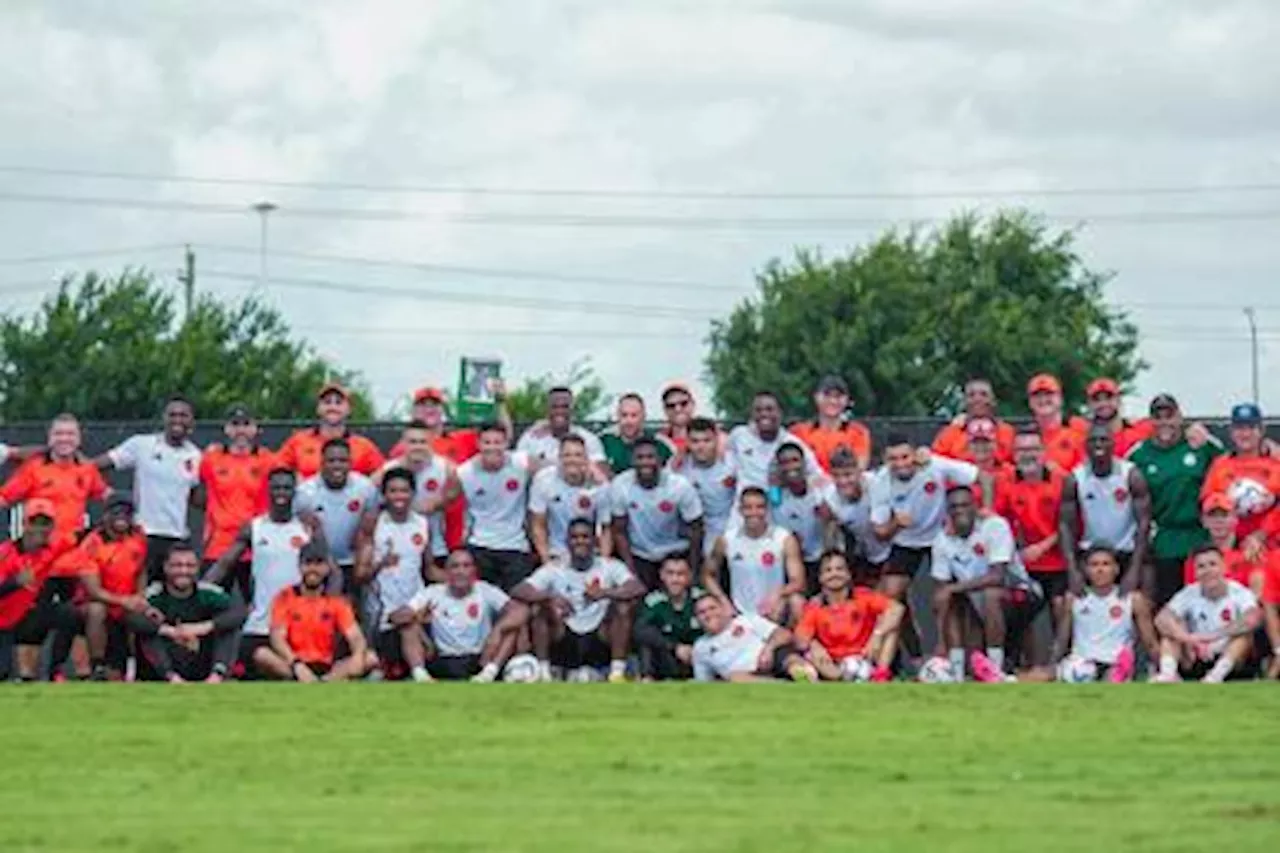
1122,669
984,670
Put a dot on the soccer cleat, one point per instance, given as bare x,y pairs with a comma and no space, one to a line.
99,673
984,670
881,675
1171,678
1122,669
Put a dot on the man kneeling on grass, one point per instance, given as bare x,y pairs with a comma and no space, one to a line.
744,647
1206,630
848,634
190,631
473,625
306,623
581,613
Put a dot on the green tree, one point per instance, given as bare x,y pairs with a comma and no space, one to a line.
114,349
906,319
528,401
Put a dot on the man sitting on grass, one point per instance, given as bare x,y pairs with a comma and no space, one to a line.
848,633
1206,630
667,627
744,647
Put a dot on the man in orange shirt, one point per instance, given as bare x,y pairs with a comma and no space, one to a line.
848,633
832,428
983,440
979,402
1247,476
302,450
234,476
1103,396
1063,436
29,605
1218,518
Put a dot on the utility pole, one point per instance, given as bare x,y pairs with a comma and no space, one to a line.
264,209
188,278
1253,351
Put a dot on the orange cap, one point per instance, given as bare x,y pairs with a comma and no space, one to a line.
429,394
1043,382
332,387
1217,502
1102,385
38,506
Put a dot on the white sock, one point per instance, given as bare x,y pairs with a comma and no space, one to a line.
544,670
956,656
489,672
1221,669
618,667
420,674
1168,666
996,655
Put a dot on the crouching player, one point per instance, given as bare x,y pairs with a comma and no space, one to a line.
667,628
744,647
847,633
190,631
1206,630
306,624
473,625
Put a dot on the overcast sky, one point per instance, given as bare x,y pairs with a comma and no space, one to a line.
946,103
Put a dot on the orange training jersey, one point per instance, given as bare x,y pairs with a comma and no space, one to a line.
952,441
68,484
1230,475
825,442
13,561
117,563
843,629
1130,435
302,452
1064,445
1032,509
311,623
235,487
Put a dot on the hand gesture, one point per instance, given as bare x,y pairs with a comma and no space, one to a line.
595,591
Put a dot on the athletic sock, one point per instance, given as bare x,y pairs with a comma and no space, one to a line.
996,656
488,673
544,670
618,667
1168,666
1221,669
956,656
420,674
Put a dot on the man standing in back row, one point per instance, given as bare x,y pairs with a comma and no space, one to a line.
833,428
302,450
979,402
541,442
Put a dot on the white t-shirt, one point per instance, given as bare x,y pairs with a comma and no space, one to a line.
275,566
571,585
1101,625
656,517
496,502
338,510
1203,615
956,559
755,456
717,488
803,515
1106,507
460,625
163,478
561,503
923,497
396,585
757,565
735,649
544,448
855,518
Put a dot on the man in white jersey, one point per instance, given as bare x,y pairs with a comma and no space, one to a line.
1206,630
472,624
1107,500
394,557
436,481
800,506
762,560
849,501
276,539
166,467
982,589
754,445
541,442
337,498
496,485
713,475
563,492
656,513
744,647
582,610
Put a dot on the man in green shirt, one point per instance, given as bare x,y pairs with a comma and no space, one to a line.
667,628
619,439
1175,472
190,631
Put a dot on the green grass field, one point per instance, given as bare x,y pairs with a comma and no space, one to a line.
628,767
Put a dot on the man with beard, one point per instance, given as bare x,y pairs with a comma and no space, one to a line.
984,453
801,508
620,439
832,428
1206,630
234,476
496,486
1064,437
979,402
541,442
714,476
848,633
667,628
563,492
755,445
849,502
30,608
762,561
678,406
655,513
302,450
335,500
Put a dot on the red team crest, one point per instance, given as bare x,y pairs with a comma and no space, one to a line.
766,559
1116,611
930,487
513,485
979,550
432,485
473,610
666,506
584,502
1122,495
190,465
353,506
729,482
1227,614
738,631
418,540
296,542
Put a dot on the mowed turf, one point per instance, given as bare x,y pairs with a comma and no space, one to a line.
640,767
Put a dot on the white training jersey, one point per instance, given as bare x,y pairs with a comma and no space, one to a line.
430,481
755,455
496,503
736,649
407,541
854,517
562,502
544,448
571,585
460,624
1102,625
656,517
757,565
956,559
1106,507
923,497
717,488
338,510
805,516
275,566
1203,615
163,477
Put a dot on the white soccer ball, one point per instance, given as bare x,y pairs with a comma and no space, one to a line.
1249,497
937,670
1077,670
856,668
521,669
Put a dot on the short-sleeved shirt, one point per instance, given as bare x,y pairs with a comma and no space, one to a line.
805,515
304,450
1064,444
561,502
1032,508
461,624
717,488
953,441
755,455
235,487
617,450
656,517
544,448
205,602
1203,615
69,484
118,564
844,628
1249,481
496,503
958,559
679,625
311,623
570,584
338,510
923,497
824,442
163,477
736,649
1175,476
854,517
13,561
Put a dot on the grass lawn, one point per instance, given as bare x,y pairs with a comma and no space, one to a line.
628,767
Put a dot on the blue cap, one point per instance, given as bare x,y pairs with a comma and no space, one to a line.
1246,414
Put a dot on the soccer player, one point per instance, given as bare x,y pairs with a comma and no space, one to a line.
166,467
437,483
541,442
1247,475
1103,397
234,476
1107,500
678,406
981,588
832,428
619,440
655,513
1175,473
496,485
847,628
802,509
1219,521
744,647
306,624
979,402
755,445
765,569
849,502
984,454
563,492
472,624
189,630
302,451
29,609
667,627
582,610
335,500
394,558
714,476
1064,437
1206,630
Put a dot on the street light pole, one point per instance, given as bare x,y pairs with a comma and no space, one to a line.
264,209
1253,351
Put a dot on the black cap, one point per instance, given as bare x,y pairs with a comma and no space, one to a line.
239,412
313,552
119,500
1246,414
832,382
1164,402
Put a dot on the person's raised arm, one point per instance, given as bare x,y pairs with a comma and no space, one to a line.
221,569
793,562
123,456
1140,494
712,568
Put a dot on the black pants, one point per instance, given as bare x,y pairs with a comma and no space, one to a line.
51,613
163,656
1167,581
454,668
573,651
503,569
158,548
657,656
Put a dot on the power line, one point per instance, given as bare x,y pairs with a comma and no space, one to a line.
89,253
487,331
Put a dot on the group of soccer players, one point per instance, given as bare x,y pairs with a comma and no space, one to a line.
760,552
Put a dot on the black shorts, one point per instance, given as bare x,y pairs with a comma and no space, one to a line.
158,548
387,646
456,668
1054,584
906,561
646,571
52,610
249,644
778,666
865,574
1169,579
573,651
503,569
1021,607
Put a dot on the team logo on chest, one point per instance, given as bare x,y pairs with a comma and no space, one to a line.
353,506
1227,614
418,540
665,506
979,550
432,485
1116,611
513,485
296,541
584,502
930,487
473,611
1122,494
767,558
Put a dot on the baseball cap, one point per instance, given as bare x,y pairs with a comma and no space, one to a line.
981,429
119,500
333,388
313,552
1102,385
429,394
1217,502
37,507
239,412
673,388
1246,414
830,383
1043,382
1163,402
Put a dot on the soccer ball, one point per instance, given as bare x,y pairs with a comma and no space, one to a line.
937,671
856,668
1077,670
521,669
1249,496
